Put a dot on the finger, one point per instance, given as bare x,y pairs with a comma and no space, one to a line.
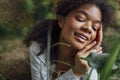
89,52
99,37
99,50
82,51
92,50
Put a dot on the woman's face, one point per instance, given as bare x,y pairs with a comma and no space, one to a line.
80,26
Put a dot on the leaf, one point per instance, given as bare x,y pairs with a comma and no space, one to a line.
29,6
105,74
97,60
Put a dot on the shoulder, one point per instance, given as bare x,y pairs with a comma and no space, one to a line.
34,50
35,47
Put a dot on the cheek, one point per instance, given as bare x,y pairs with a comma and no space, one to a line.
94,36
72,23
76,25
69,28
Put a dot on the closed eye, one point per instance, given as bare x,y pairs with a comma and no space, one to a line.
94,28
80,19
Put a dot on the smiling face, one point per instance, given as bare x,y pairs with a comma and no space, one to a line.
80,26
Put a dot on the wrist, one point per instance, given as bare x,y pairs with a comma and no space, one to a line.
76,73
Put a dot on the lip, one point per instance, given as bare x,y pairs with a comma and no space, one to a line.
81,37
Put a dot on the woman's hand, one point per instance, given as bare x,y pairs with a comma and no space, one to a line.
81,66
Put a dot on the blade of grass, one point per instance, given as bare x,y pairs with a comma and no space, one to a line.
88,78
60,43
63,62
2,77
48,50
105,74
29,5
40,72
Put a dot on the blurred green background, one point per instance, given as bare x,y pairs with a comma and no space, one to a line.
17,17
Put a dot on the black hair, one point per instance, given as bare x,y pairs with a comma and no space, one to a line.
64,7
39,34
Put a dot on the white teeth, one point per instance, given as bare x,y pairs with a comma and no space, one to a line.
83,37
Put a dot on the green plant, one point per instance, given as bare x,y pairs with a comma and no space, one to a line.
4,29
104,63
106,71
2,77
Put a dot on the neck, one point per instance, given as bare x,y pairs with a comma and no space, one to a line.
65,59
66,53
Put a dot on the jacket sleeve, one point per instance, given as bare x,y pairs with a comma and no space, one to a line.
37,63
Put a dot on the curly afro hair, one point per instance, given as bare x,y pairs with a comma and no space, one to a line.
63,7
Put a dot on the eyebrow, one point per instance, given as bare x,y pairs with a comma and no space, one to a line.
97,21
83,12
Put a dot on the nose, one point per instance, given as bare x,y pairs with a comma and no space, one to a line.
87,27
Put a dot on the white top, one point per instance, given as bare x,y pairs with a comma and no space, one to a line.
39,67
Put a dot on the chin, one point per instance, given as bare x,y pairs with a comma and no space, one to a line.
78,46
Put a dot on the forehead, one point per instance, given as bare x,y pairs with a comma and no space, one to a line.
91,10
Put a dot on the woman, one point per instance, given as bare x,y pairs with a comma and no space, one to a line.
76,32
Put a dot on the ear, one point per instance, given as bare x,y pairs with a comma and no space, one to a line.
61,23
